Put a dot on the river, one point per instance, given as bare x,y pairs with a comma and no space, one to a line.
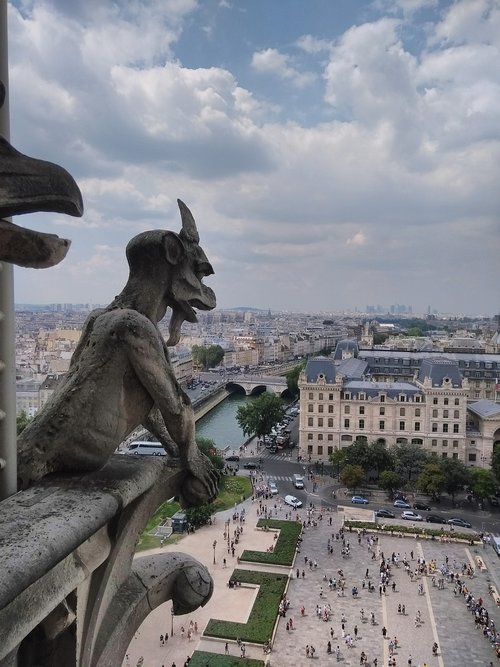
220,424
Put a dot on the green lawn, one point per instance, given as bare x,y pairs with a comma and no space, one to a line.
260,625
284,547
205,659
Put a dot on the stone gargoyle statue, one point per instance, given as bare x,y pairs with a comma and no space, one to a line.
120,374
28,185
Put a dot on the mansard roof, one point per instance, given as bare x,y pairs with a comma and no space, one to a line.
439,369
317,366
373,389
349,345
353,368
485,408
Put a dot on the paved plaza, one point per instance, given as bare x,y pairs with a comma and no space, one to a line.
444,617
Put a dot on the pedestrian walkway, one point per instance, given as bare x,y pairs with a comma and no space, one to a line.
444,618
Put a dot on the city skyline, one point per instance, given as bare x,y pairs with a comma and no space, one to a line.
333,154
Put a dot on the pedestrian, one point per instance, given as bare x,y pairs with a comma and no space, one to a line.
166,637
399,608
403,610
298,573
195,627
226,648
162,642
410,662
384,632
355,632
303,574
332,633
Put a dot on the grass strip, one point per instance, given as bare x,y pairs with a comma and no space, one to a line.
206,659
262,618
424,531
284,547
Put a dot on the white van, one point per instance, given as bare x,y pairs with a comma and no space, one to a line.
146,448
298,481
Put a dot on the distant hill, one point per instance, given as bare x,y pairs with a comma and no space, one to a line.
247,309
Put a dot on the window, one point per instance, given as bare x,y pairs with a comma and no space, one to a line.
320,421
381,425
417,426
310,407
434,401
455,455
445,428
361,423
402,398
346,438
310,421
309,449
434,443
361,409
320,449
346,423
457,401
402,412
446,401
320,436
401,426
320,396
382,399
472,457
456,428
456,414
445,443
417,399
330,409
417,412
330,397
347,409
445,414
311,396
330,438
309,436
330,423
347,396
444,455
434,413
455,443
362,397
434,428
320,408
330,450
382,411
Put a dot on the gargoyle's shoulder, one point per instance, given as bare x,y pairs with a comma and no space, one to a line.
121,321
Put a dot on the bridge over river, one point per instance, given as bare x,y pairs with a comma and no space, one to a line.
257,384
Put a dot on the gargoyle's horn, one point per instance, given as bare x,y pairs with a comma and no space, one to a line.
188,231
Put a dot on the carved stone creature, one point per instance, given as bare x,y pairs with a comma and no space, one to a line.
28,185
120,374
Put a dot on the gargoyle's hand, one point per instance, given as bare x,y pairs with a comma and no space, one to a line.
201,484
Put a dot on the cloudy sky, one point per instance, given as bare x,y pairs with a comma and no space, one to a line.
335,153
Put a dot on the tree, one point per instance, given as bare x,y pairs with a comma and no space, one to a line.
260,415
415,332
380,338
432,479
292,379
495,461
207,356
456,476
199,516
483,482
209,448
410,459
389,480
352,476
338,458
22,420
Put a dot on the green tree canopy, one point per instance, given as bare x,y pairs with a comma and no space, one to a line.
338,458
209,448
495,462
456,476
483,482
207,356
389,480
352,476
292,379
260,415
380,338
410,459
432,479
22,420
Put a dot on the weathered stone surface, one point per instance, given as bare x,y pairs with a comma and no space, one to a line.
120,374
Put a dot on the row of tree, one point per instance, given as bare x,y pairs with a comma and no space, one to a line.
207,356
411,466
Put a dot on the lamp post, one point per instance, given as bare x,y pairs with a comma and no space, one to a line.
172,621
214,545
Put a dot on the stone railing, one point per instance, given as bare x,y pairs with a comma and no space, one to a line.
71,592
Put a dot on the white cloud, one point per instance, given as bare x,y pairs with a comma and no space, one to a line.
271,61
359,239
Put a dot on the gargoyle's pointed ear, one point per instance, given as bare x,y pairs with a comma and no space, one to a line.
188,231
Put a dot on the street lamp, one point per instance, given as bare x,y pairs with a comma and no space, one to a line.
172,621
214,545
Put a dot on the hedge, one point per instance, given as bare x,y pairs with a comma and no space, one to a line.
260,625
206,659
411,530
284,547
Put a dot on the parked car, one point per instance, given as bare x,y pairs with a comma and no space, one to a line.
435,518
273,489
457,521
410,515
233,457
402,504
494,501
250,465
385,514
293,501
422,506
359,500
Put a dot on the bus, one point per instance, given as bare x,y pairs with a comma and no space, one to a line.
495,543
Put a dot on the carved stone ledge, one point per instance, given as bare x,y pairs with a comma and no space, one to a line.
67,547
